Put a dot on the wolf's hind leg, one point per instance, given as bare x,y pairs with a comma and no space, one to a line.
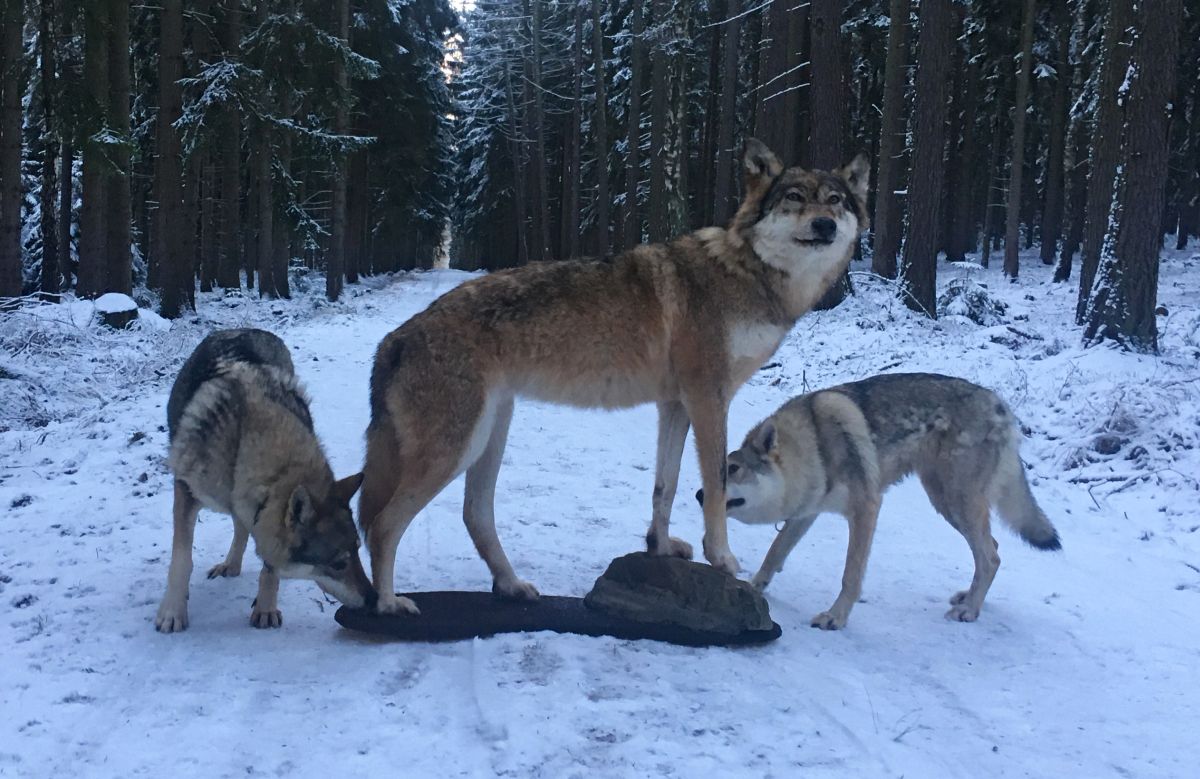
265,611
172,614
479,510
232,565
975,527
781,547
672,433
862,520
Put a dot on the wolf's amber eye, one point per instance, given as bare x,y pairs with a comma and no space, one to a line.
834,199
795,197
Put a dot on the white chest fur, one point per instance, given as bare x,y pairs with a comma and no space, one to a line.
755,342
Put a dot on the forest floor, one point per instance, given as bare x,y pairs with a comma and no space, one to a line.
1084,662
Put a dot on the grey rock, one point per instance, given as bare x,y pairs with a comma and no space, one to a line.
670,590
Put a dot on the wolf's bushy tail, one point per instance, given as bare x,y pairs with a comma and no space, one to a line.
1015,503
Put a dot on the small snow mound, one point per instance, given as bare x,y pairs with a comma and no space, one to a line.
971,300
114,303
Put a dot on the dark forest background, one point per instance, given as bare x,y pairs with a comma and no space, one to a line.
179,146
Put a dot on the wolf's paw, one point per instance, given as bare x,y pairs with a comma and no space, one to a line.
722,559
515,589
677,547
172,617
396,604
760,582
227,570
827,620
962,612
265,618
959,597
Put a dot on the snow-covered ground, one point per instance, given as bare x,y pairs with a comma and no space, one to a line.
1083,663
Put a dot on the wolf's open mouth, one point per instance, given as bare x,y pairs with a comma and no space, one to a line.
814,241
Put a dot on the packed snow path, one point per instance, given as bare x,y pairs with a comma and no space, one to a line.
1083,663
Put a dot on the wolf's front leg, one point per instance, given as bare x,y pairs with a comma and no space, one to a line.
265,611
781,547
672,433
862,530
708,415
172,614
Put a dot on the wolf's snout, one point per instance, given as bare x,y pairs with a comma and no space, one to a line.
700,496
824,228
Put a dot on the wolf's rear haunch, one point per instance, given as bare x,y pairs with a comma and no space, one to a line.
681,324
242,443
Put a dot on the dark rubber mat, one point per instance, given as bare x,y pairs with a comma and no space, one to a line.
454,616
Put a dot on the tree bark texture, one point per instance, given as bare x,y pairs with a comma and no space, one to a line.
886,224
1123,304
935,39
1012,223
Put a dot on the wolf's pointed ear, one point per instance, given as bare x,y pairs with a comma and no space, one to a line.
857,174
763,438
760,164
344,489
300,508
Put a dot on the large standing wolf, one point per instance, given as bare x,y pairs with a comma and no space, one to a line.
242,443
681,324
838,449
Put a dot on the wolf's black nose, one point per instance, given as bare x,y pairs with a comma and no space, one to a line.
700,497
824,228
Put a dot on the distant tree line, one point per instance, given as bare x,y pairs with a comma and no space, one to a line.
586,127
218,143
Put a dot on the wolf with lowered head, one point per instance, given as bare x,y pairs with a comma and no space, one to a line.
838,449
242,443
681,324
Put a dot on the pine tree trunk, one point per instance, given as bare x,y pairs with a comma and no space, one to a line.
708,131
1052,214
1106,148
93,235
773,125
356,206
1075,160
631,220
1188,198
66,202
1123,305
11,89
797,99
172,221
1012,224
660,85
600,127
210,248
572,187
119,218
723,200
961,235
517,148
335,269
50,282
541,202
829,94
265,189
934,42
828,91
281,255
229,161
886,237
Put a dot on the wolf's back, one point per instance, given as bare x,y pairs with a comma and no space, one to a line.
213,356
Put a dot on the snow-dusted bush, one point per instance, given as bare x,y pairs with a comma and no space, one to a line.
965,297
